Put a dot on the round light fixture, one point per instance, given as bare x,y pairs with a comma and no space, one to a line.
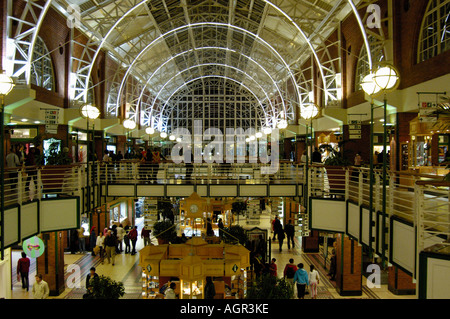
6,84
267,130
252,138
247,140
163,134
179,139
309,111
258,135
129,124
172,137
90,112
282,124
150,130
386,77
369,85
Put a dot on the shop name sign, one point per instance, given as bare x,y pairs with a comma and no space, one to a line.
354,130
427,112
51,121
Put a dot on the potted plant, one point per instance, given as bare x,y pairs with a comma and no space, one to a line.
165,232
53,177
335,165
234,234
105,288
270,287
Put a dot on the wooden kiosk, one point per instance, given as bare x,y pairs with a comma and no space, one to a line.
195,210
189,264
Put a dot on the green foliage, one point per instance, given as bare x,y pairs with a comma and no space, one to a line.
270,287
56,157
238,208
235,233
335,158
106,288
160,231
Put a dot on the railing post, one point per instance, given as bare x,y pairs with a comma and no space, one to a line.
391,197
39,185
80,174
20,187
360,187
418,220
347,183
377,192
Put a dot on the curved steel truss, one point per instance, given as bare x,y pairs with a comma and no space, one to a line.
164,47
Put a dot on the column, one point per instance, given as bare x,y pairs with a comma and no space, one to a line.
51,263
399,282
348,266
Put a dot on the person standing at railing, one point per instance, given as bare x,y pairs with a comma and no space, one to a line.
12,161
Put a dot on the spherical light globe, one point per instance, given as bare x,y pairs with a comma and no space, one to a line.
90,112
258,135
267,130
252,138
282,124
179,139
369,85
150,130
386,78
129,124
163,135
6,84
172,137
309,111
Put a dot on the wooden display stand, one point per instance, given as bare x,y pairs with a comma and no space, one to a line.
191,263
310,244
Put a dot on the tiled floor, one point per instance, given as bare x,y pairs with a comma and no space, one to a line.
126,269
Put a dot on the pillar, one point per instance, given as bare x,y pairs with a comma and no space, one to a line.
348,266
399,282
310,244
51,263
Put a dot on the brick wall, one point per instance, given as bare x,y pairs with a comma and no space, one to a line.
51,263
399,282
348,264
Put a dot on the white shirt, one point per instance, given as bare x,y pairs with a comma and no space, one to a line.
120,233
170,294
12,160
313,276
40,290
100,241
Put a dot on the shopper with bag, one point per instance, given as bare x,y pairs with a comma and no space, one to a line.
289,272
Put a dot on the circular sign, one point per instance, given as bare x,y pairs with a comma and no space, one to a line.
34,247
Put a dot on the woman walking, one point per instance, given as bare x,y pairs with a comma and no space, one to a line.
313,281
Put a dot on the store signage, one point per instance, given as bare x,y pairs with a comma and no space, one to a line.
235,268
51,121
354,130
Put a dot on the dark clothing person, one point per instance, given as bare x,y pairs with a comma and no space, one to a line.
88,278
133,235
210,290
316,156
276,227
126,240
281,237
23,268
220,225
290,231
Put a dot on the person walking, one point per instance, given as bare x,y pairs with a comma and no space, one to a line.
23,268
110,247
301,279
133,234
281,237
81,240
92,240
220,225
145,235
91,277
313,281
120,235
289,272
100,243
40,288
210,290
126,240
276,227
290,231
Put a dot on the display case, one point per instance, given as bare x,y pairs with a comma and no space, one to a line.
192,289
150,286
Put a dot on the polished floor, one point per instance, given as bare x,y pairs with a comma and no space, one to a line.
127,270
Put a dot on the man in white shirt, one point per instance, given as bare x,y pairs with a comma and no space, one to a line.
40,288
12,160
